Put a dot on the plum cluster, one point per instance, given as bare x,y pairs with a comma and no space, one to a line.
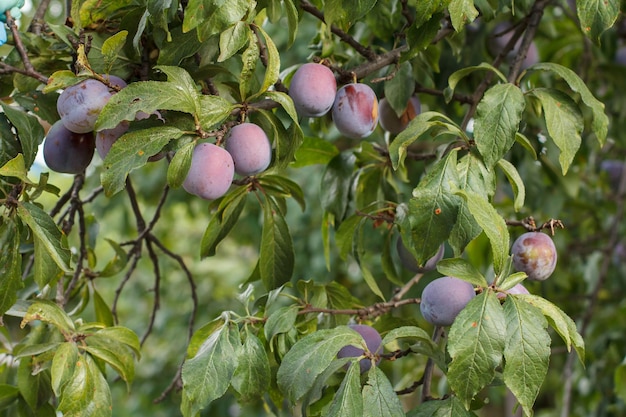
354,107
70,143
247,151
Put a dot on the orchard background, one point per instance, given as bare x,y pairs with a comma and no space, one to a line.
123,294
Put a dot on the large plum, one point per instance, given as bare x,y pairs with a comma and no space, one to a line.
390,121
250,148
372,340
80,105
444,298
535,254
409,262
355,110
211,172
67,152
312,89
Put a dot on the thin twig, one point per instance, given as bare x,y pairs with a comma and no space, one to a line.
430,365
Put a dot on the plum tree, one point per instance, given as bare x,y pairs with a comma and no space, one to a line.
250,148
355,110
444,298
535,254
80,105
66,151
211,172
373,341
409,262
393,123
312,89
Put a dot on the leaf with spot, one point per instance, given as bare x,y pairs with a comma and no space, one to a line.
476,344
596,16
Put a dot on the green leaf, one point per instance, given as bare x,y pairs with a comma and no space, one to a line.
476,344
232,40
272,70
283,187
112,47
492,224
102,310
285,101
16,168
29,132
213,111
8,395
432,212
276,256
115,355
117,263
527,351
292,20
345,13
309,357
428,124
213,16
462,269
420,342
396,92
516,181
449,407
249,58
561,322
179,165
222,222
564,121
86,393
473,176
457,76
178,93
49,312
498,116
131,151
348,401
596,16
379,398
462,12
280,321
49,239
252,376
207,375
10,268
600,121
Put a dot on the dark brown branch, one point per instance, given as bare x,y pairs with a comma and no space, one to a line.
529,224
364,51
38,18
430,365
28,70
533,22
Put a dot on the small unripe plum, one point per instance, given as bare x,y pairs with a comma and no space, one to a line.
355,110
390,121
409,262
250,148
312,89
517,289
80,105
444,298
66,151
372,340
211,172
535,254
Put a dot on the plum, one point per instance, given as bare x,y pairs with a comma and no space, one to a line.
67,152
211,172
250,148
372,340
409,262
517,289
390,121
535,254
312,89
105,138
444,298
79,105
355,110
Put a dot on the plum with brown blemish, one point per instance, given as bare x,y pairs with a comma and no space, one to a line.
535,254
80,105
355,110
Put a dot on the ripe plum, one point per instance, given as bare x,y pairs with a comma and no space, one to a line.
390,121
211,172
444,298
250,148
355,110
79,105
372,340
535,254
312,89
66,151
